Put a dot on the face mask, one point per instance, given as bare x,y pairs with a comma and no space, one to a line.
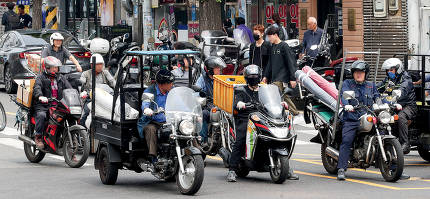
252,81
391,75
256,36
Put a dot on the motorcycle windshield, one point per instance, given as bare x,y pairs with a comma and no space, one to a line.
182,104
71,97
271,100
241,38
212,37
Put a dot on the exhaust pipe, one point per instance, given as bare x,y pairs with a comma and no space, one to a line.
26,140
333,153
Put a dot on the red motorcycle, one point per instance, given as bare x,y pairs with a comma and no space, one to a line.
62,136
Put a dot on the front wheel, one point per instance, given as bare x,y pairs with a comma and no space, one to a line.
424,152
280,172
76,152
191,181
2,117
392,169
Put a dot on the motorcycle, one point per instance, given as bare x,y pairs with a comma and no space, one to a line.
62,136
117,58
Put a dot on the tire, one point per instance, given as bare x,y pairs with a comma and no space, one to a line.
190,184
108,171
424,153
70,154
280,172
242,172
329,163
9,85
2,117
31,152
394,169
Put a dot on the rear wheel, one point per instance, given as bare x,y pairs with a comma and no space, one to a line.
329,163
108,171
33,154
76,153
280,172
9,85
191,181
424,152
392,169
2,117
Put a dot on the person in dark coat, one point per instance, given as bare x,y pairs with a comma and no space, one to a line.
259,50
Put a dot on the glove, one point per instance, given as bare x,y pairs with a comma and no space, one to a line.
240,105
284,104
148,112
349,108
43,99
84,95
398,107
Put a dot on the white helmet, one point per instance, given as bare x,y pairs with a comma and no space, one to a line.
99,59
393,63
55,36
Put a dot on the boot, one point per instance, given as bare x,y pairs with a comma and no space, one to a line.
39,142
341,175
231,176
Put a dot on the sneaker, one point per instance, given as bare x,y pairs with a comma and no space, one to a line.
406,148
292,175
404,177
39,142
231,176
341,174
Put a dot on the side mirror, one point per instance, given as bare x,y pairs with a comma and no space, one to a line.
202,101
349,95
397,93
126,36
147,97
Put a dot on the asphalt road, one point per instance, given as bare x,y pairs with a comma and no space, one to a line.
52,178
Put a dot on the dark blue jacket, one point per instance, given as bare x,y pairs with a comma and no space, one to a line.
365,93
311,38
403,82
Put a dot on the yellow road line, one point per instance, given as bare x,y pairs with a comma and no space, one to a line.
215,158
306,154
9,113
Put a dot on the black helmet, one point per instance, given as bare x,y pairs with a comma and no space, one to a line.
252,75
360,65
214,62
164,77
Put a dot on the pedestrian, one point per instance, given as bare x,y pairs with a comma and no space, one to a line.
282,66
10,19
246,32
312,37
283,34
260,49
227,28
25,19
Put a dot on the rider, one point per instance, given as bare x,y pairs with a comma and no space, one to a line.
213,66
253,76
57,50
48,85
149,123
403,81
103,76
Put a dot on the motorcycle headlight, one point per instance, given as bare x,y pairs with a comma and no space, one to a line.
75,110
279,132
186,127
384,117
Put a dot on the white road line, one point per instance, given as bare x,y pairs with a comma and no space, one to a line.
309,132
299,142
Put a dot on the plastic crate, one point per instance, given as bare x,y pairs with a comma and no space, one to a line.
224,90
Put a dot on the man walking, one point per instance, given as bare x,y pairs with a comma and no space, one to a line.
24,18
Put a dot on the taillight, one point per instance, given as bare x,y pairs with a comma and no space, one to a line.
133,62
21,55
82,54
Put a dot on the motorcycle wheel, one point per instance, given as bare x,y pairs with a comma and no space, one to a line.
424,152
392,169
329,163
108,171
33,154
190,181
77,155
280,172
242,172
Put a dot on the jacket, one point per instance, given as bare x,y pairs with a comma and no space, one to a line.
264,54
42,87
403,82
365,93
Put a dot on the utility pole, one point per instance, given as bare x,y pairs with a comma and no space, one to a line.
147,22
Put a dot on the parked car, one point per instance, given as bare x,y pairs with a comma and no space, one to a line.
16,45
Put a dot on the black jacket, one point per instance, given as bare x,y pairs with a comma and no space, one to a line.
404,83
264,54
42,87
246,95
282,64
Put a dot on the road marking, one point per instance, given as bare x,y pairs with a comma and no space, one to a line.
215,158
309,132
9,113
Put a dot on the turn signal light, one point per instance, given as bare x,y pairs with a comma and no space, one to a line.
370,119
59,119
213,110
396,117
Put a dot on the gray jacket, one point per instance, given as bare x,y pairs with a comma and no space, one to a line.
102,78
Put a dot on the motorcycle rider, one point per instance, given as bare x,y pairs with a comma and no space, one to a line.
253,76
213,66
403,81
103,76
48,85
149,123
57,50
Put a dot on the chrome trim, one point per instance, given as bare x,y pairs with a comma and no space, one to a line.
277,139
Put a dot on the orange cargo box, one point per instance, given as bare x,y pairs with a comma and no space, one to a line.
224,90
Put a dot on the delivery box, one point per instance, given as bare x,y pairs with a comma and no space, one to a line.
24,94
34,62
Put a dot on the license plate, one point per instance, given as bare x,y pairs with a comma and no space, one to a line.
134,70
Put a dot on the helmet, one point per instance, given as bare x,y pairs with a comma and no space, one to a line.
99,59
49,62
55,36
252,75
214,62
393,63
360,65
164,77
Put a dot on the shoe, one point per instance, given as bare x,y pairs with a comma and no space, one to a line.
39,142
341,175
231,176
406,148
292,175
404,177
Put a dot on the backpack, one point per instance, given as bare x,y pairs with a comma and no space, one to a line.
13,20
